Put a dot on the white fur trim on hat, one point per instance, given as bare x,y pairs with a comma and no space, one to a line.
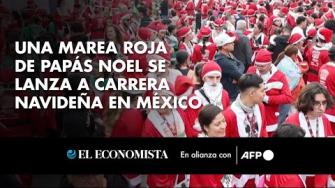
262,63
320,36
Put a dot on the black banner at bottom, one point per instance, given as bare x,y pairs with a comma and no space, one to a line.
168,155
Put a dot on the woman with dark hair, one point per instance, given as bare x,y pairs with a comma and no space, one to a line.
171,37
185,37
213,124
289,131
312,103
197,71
205,49
286,63
286,180
183,63
258,38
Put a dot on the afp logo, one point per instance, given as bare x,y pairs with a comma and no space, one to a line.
267,155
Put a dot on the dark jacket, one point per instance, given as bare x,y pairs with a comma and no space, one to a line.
281,43
232,69
242,49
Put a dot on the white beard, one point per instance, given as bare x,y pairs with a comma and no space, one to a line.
213,92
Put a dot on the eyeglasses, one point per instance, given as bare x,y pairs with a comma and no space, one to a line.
319,103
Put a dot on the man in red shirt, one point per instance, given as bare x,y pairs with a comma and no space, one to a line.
318,54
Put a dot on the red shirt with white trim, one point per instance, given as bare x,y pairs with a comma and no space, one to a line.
235,119
316,57
278,92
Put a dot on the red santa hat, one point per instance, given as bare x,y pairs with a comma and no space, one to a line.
263,57
233,12
190,7
144,33
252,6
329,15
183,32
244,12
240,7
324,9
210,68
219,22
307,2
204,32
228,8
204,10
251,12
165,56
319,23
295,38
284,10
178,6
222,9
311,32
183,84
293,6
252,20
325,34
233,4
157,26
309,12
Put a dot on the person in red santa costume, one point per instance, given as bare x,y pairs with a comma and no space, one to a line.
292,15
277,88
318,54
312,103
297,40
327,79
275,24
123,126
258,40
286,180
160,30
212,124
218,25
163,123
246,115
124,22
96,23
204,50
185,37
211,92
246,118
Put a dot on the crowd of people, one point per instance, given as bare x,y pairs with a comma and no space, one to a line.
260,68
